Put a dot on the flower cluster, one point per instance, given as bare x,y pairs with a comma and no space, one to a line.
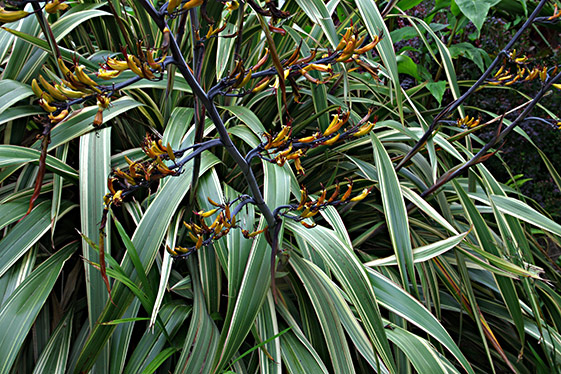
308,208
468,122
202,234
76,84
144,64
286,148
349,50
506,77
139,174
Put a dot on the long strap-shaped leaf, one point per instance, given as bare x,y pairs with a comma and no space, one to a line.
376,26
147,240
392,297
23,306
395,212
352,275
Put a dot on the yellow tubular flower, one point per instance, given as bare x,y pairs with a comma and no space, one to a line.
172,5
209,213
341,45
298,166
331,141
39,92
115,64
107,74
150,58
45,105
499,71
7,16
308,139
232,5
334,194
262,60
199,242
98,119
261,85
69,92
350,47
307,225
347,193
364,129
368,47
131,63
103,102
36,89
344,57
62,66
192,4
51,89
245,79
83,77
543,74
282,135
321,198
303,197
59,117
364,193
55,6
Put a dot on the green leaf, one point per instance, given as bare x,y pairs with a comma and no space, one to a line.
326,313
160,358
395,299
524,212
395,212
200,344
318,13
152,343
95,156
55,355
376,26
66,54
423,355
469,51
266,327
243,310
437,90
26,233
246,116
12,155
351,273
408,4
424,253
405,65
147,240
20,111
298,358
20,310
476,10
11,92
81,122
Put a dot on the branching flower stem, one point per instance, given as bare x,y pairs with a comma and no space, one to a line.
212,112
496,139
455,104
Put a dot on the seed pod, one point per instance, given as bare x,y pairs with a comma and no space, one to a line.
98,120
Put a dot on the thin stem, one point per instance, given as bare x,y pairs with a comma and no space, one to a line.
213,114
455,104
198,53
201,147
494,140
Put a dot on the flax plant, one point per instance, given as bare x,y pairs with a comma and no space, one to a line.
245,186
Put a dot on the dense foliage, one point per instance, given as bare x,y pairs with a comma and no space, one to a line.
296,186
